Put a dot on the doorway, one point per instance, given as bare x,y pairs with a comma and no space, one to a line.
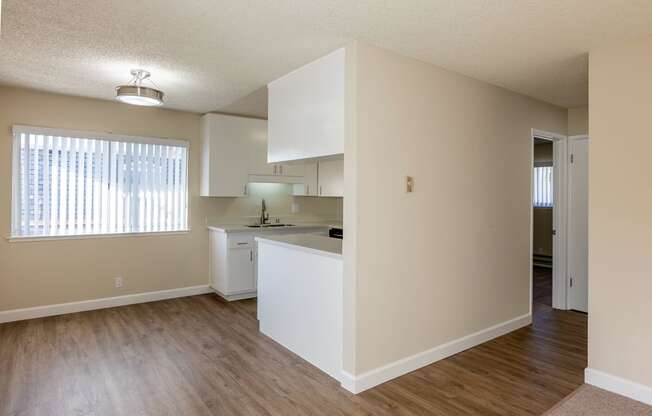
559,221
542,220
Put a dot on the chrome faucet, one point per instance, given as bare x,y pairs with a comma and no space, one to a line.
264,215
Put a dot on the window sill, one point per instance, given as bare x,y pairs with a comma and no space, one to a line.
89,236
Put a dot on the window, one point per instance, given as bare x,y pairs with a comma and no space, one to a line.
81,183
543,194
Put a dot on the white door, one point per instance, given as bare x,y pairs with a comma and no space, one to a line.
241,271
578,195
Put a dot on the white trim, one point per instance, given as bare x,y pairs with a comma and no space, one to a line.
29,239
568,219
17,129
101,303
245,294
560,215
618,385
357,384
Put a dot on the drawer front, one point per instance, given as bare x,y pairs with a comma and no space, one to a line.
241,241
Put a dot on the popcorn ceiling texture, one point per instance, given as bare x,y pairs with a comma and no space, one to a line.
207,54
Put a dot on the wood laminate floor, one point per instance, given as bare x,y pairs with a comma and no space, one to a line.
202,356
542,285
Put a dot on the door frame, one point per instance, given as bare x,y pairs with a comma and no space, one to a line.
570,140
560,280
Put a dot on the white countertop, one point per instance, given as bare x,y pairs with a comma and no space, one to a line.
239,228
313,243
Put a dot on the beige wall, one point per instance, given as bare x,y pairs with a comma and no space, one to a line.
542,217
48,272
451,258
620,211
578,121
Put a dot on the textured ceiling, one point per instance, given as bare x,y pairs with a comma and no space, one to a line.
208,54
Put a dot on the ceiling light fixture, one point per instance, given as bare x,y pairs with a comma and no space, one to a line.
136,93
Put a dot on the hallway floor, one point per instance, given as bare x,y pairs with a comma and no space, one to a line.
542,285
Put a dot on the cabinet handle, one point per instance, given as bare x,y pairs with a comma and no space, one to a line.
307,189
275,168
245,189
280,168
242,244
319,189
251,255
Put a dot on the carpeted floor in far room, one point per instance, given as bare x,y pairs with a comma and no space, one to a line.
592,401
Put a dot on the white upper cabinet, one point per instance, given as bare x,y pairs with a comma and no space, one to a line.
310,180
310,185
261,171
306,111
234,153
226,152
258,158
331,178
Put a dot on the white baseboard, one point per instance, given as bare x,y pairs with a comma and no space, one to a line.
365,381
87,305
247,294
618,385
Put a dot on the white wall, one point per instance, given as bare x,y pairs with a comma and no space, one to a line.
452,258
620,212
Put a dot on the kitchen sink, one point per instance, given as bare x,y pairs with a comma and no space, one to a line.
270,225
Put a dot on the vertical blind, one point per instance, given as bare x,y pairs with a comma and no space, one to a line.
543,192
79,183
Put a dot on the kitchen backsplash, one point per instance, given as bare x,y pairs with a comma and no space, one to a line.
280,203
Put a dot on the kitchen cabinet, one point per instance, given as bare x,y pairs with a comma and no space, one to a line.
241,269
258,158
234,153
309,187
225,153
306,111
331,178
232,265
325,178
233,259
258,165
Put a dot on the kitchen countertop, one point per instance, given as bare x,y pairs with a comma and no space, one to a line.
240,228
312,243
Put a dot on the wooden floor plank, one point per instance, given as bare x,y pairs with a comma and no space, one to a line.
202,356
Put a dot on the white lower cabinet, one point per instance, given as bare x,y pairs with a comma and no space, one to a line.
232,265
233,260
241,268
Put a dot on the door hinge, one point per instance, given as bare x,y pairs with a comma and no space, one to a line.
572,158
554,232
571,282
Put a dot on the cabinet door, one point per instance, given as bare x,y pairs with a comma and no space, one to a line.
258,155
297,170
309,186
310,179
331,178
241,270
306,111
225,145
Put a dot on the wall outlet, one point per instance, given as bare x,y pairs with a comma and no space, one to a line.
117,282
